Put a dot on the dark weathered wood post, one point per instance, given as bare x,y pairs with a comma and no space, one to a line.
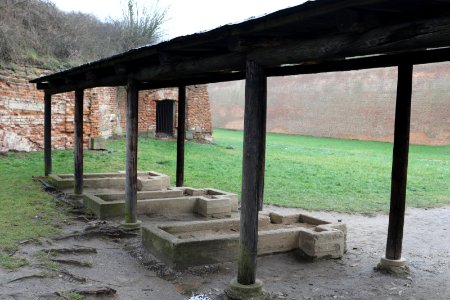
181,134
131,159
47,133
399,162
252,167
78,142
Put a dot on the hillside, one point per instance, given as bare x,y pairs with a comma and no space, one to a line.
36,32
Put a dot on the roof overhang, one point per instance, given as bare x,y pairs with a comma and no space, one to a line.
317,36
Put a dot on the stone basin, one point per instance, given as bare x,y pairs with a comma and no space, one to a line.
186,244
170,202
147,181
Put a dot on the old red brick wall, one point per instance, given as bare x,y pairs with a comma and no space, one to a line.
354,105
198,113
22,112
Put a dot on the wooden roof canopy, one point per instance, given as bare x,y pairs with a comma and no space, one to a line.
317,36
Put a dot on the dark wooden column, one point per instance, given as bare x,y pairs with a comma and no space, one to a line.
181,134
252,166
131,160
78,142
47,133
399,162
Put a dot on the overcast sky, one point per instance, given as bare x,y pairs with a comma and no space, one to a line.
186,16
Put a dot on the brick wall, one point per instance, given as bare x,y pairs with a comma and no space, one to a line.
22,112
198,114
354,105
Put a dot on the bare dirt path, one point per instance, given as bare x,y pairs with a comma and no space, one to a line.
121,264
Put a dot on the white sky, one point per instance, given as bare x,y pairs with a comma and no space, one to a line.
186,16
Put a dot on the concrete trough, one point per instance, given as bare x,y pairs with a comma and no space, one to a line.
186,244
147,181
172,201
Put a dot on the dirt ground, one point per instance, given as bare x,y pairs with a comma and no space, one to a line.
121,264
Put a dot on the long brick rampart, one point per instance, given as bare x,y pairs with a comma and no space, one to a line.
353,105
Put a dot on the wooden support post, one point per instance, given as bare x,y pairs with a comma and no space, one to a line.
399,162
78,142
48,133
252,169
131,160
181,134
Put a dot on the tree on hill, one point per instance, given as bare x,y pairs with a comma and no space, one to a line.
37,32
139,25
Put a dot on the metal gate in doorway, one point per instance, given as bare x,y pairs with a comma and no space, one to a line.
165,111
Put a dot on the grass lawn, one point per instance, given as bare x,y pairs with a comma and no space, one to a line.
308,172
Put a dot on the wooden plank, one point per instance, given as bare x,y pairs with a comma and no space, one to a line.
131,145
78,142
181,134
385,40
252,165
47,134
400,162
383,61
331,65
100,81
397,38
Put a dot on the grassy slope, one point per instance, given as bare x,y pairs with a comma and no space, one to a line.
307,172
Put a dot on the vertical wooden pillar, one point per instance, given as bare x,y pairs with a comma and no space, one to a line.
131,159
47,133
78,142
399,162
181,134
252,166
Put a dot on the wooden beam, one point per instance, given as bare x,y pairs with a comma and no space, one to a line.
192,80
332,65
181,134
100,81
47,134
399,38
385,40
370,62
131,159
78,142
307,11
252,165
400,162
224,63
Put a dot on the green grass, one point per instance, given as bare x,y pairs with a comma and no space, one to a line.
307,172
26,212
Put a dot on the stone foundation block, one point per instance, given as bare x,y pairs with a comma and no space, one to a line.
211,207
318,244
97,143
278,218
157,183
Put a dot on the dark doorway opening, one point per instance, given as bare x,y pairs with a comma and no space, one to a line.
165,111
